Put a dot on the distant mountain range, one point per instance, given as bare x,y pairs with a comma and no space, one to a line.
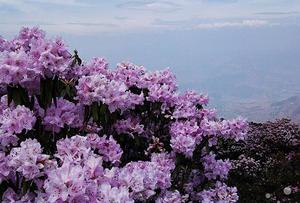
264,110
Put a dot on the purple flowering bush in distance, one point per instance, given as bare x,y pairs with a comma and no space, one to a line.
265,166
75,131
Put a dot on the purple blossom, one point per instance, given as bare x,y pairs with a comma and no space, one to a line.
164,77
130,126
30,57
165,164
13,121
73,150
107,147
3,44
185,136
186,105
98,88
113,194
170,197
4,167
145,177
29,160
184,144
235,129
93,167
61,114
96,66
221,193
65,183
215,168
161,93
186,128
10,196
130,74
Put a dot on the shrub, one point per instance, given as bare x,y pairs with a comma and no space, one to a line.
75,131
266,164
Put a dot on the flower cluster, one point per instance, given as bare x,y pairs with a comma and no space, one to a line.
190,104
13,121
129,125
115,94
221,193
62,113
96,66
107,147
170,196
28,159
184,136
146,177
76,131
215,168
30,56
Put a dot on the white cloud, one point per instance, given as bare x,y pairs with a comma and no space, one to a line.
277,13
199,23
20,3
243,23
154,6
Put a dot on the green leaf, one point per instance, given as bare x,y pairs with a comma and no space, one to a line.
31,104
86,113
95,114
55,90
24,96
102,113
68,91
16,96
47,91
9,95
49,94
41,98
25,186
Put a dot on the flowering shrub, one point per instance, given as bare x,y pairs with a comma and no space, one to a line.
265,166
73,131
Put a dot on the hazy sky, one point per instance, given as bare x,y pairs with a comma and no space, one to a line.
234,50
97,16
